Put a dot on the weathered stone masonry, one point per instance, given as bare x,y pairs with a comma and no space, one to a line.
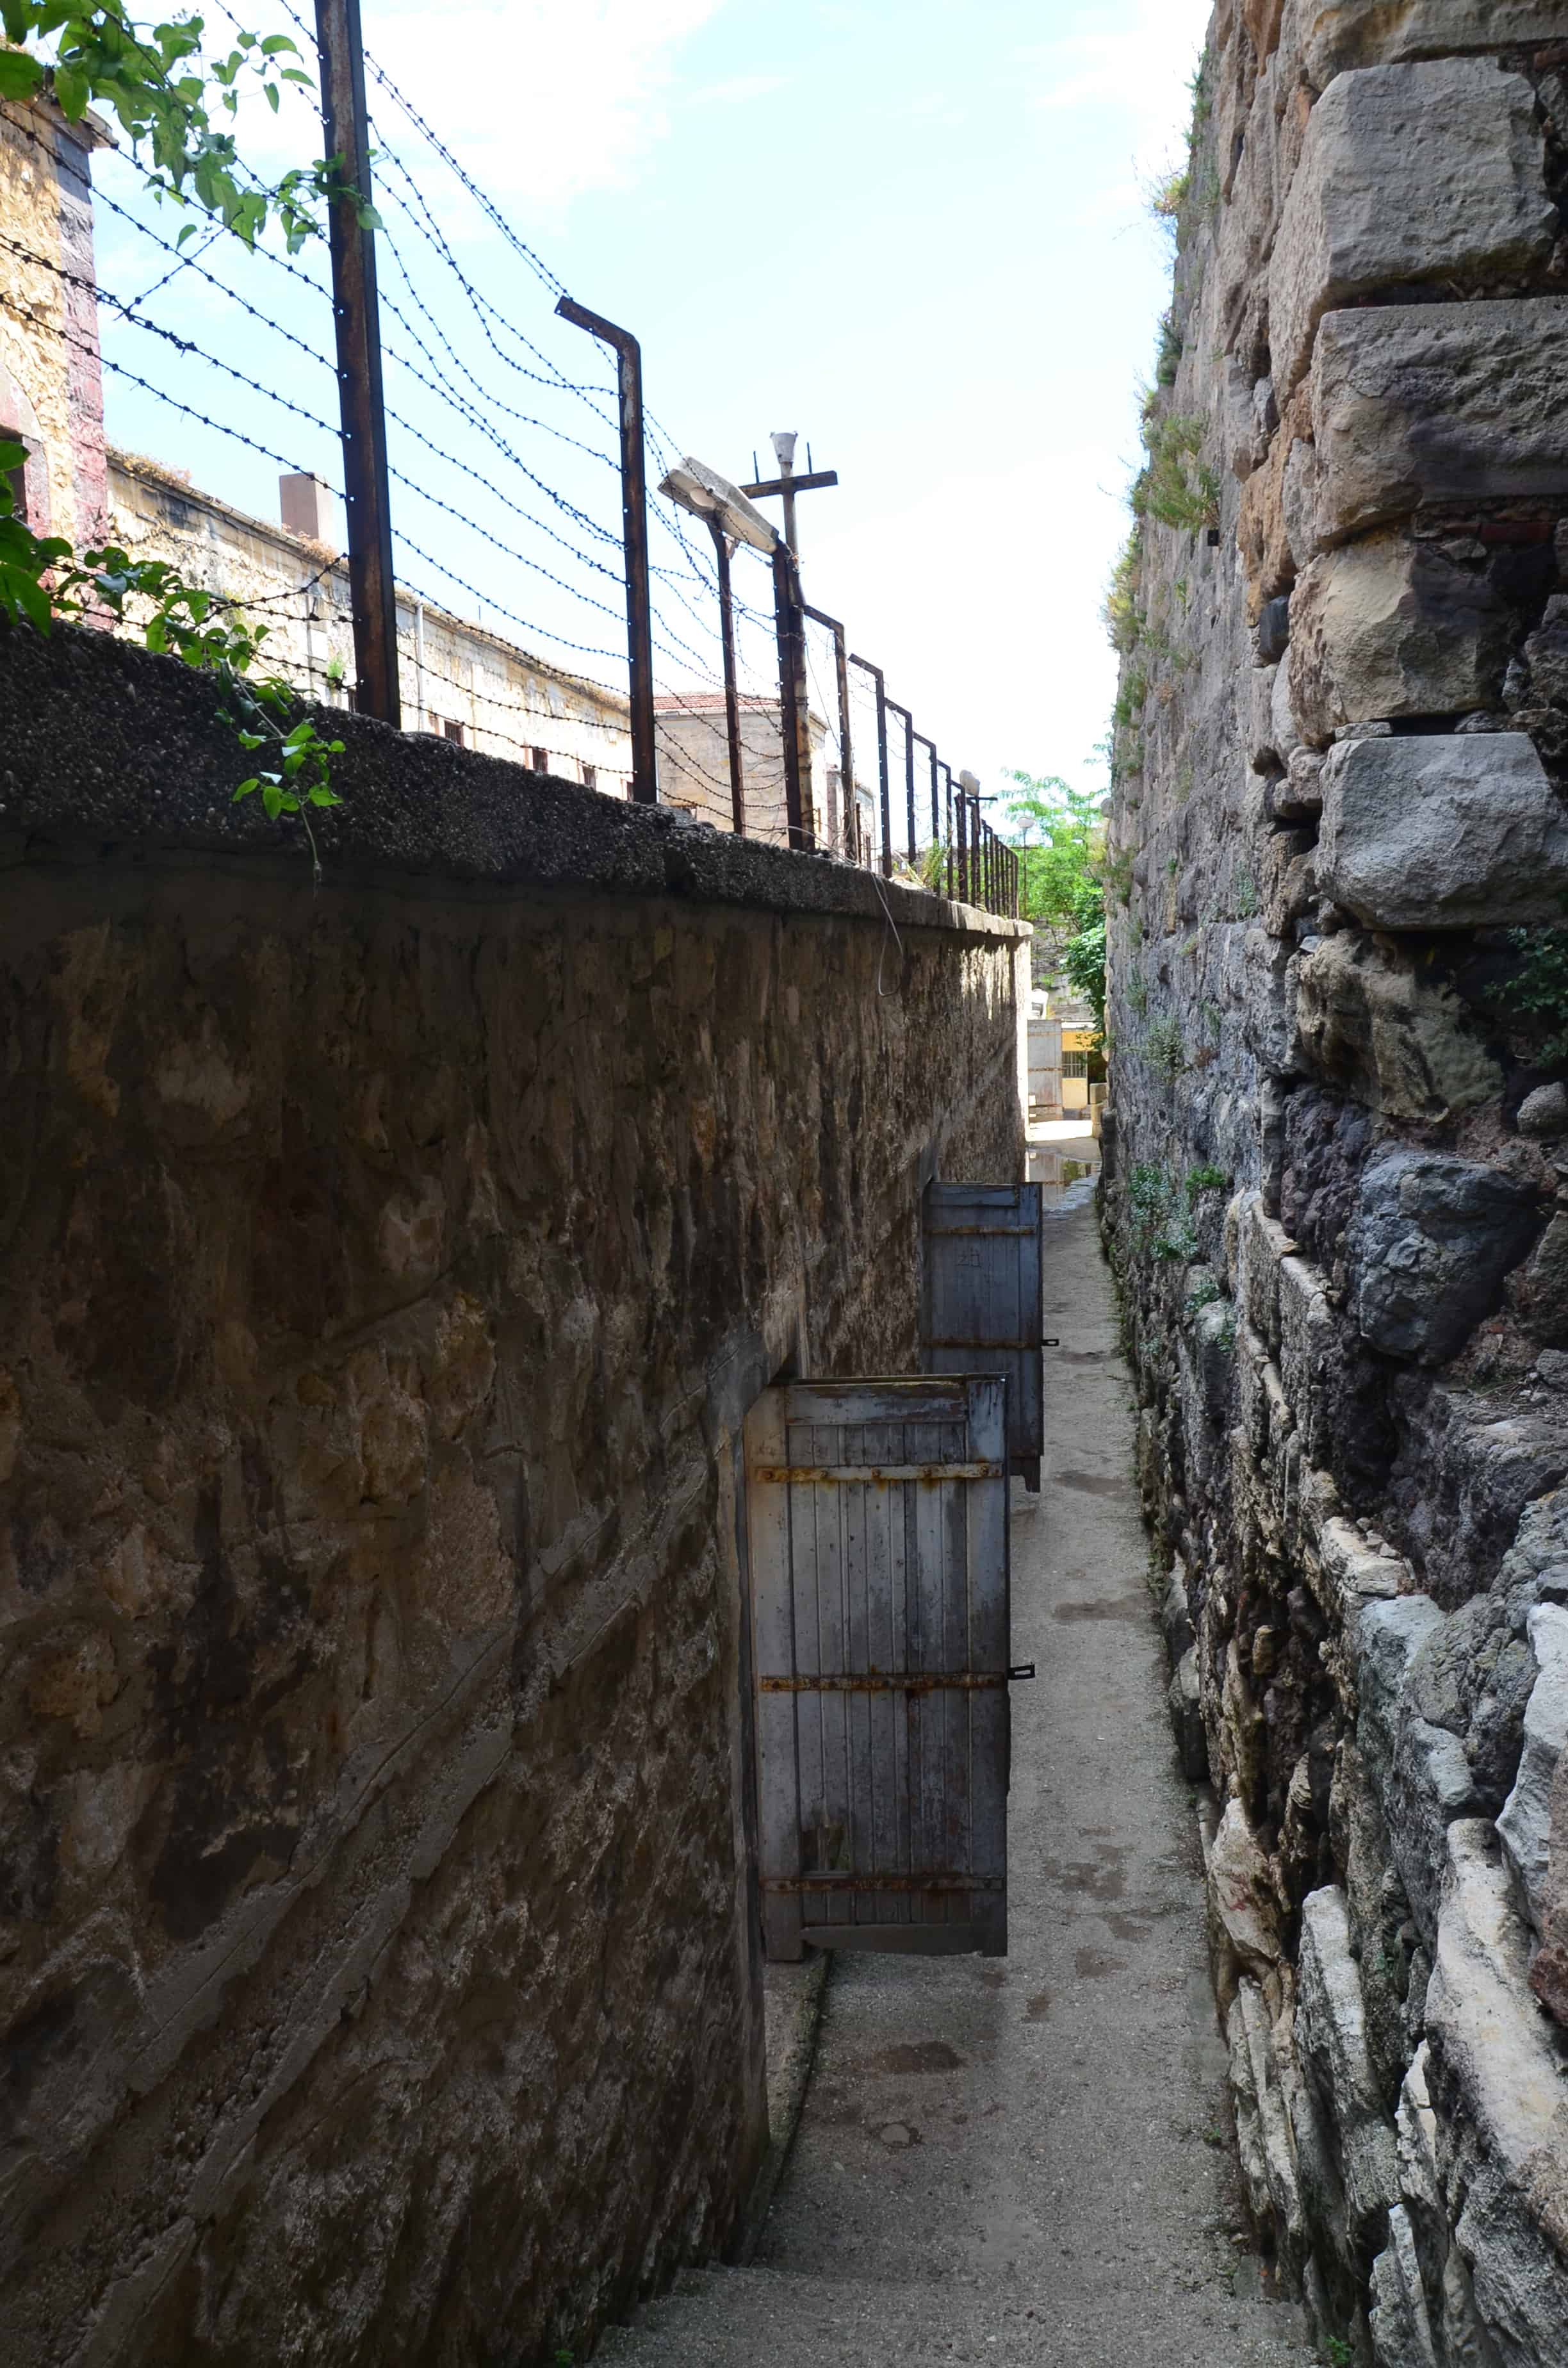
1337,1182
385,1272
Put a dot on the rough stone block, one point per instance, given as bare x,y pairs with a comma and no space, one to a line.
1348,33
1257,697
1497,2066
1386,627
1385,1637
1442,831
1457,139
1374,1024
1185,1702
1432,1785
1431,1241
1525,1826
1428,404
1541,1291
1241,1894
1401,2325
1261,536
1331,2041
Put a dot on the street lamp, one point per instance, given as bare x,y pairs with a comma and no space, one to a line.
729,518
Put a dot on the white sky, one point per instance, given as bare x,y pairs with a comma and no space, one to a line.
913,232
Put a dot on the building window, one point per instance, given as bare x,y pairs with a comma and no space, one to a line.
590,777
453,732
542,760
1075,1064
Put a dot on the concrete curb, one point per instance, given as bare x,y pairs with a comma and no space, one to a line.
795,1995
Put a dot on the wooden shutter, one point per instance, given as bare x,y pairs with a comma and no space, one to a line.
981,1308
877,1520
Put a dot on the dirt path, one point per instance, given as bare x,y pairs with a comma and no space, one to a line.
1030,2160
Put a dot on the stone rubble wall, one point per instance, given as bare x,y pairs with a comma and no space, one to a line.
1336,1154
386,1270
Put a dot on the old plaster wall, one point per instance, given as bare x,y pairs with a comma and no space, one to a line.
1338,1154
385,1270
50,377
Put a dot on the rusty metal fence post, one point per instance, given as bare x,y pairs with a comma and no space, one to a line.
793,697
876,674
634,536
357,327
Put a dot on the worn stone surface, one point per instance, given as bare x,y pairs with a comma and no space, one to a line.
1460,140
1417,405
1451,831
1525,1826
1353,1431
1386,627
1433,1238
1372,32
1376,1024
388,1268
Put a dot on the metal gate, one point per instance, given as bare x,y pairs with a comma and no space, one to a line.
981,1306
877,1520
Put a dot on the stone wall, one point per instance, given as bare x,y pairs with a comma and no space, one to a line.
386,1269
1337,1162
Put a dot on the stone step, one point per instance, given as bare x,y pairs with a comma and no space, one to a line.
774,2318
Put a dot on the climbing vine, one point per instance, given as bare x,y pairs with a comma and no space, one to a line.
41,579
169,101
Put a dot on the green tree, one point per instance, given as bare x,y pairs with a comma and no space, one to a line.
1060,839
154,81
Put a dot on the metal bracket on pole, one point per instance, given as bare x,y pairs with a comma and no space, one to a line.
356,325
634,536
846,757
794,706
876,674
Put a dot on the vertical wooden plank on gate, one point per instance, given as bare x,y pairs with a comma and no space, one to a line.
868,1549
989,1643
812,1742
876,1645
773,1632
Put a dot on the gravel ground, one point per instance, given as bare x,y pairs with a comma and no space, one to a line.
1030,2160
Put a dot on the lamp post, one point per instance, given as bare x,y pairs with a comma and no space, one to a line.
729,519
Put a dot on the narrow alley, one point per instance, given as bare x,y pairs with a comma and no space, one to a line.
1031,2160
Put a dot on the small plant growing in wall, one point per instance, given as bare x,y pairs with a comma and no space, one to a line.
1178,487
1538,991
1244,898
1203,1179
1163,1049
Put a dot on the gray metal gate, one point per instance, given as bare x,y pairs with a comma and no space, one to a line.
877,1521
980,1307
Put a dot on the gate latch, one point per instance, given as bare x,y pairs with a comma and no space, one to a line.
1020,1669
1050,1341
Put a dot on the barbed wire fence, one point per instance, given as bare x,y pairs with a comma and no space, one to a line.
508,580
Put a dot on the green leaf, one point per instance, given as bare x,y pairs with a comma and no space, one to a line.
271,89
277,43
272,799
71,90
245,789
21,75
